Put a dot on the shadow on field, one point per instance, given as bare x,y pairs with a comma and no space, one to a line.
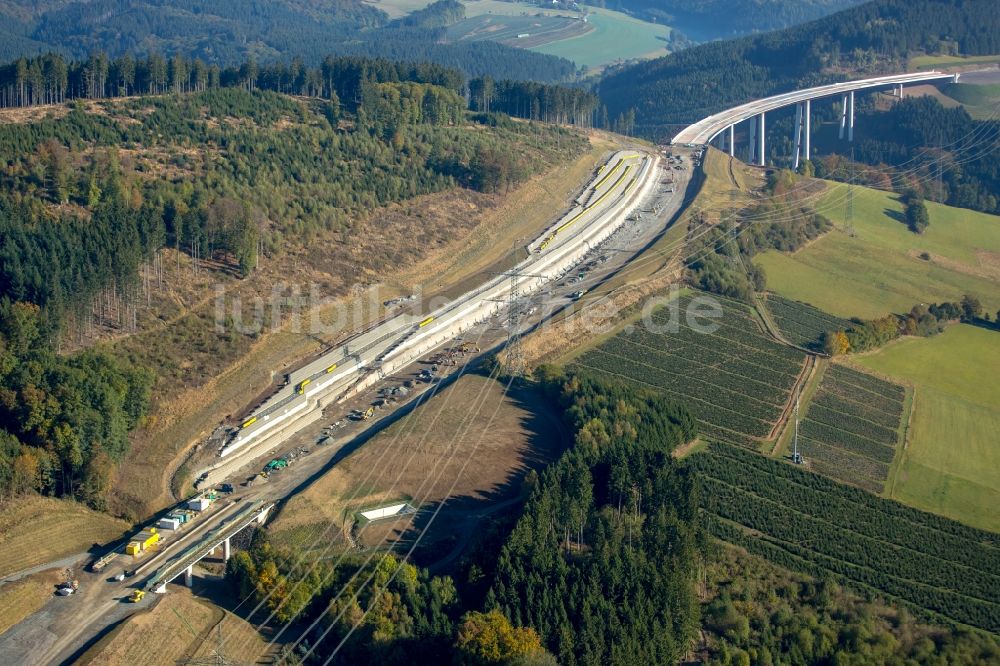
440,532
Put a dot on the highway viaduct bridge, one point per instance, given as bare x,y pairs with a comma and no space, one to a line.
202,545
724,123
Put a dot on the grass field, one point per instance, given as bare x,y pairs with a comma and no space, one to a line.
615,37
36,530
980,100
467,449
951,464
879,270
919,63
179,627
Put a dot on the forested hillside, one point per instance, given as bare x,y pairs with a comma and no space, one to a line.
918,145
872,38
714,19
599,569
228,32
95,192
602,559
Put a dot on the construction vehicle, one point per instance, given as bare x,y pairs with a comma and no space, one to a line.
368,413
301,388
277,463
136,596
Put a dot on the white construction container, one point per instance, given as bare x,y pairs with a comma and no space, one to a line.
168,523
199,503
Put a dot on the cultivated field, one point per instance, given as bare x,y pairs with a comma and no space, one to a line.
609,37
800,323
736,380
465,450
852,426
522,31
36,530
951,463
807,523
615,37
980,100
178,627
880,269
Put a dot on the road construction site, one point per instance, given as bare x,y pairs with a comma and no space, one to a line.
626,180
379,376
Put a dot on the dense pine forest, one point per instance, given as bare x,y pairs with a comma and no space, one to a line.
602,560
872,38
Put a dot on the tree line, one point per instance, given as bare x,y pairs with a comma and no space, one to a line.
534,101
229,32
922,320
51,79
64,420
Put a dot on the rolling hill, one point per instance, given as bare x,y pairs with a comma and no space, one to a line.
226,32
715,19
876,37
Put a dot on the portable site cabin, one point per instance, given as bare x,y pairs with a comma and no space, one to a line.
148,537
168,523
199,503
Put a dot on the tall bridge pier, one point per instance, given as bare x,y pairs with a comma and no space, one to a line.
724,124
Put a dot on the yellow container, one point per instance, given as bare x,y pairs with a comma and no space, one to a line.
133,548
